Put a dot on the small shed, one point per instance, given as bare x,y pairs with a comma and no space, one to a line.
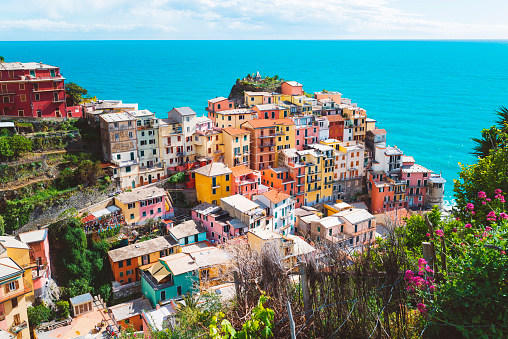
81,304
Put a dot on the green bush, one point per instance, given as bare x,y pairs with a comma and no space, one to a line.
62,309
39,314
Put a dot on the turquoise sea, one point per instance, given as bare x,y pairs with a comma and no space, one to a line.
431,96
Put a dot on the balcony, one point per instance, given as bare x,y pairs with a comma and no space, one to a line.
19,327
314,189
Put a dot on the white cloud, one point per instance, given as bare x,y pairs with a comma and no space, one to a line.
234,19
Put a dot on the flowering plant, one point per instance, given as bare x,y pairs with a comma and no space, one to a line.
464,291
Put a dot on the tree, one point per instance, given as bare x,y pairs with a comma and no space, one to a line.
88,172
74,94
62,309
39,314
2,225
2,59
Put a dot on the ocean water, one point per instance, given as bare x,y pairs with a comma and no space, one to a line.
431,96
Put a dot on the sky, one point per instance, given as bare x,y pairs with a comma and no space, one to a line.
252,19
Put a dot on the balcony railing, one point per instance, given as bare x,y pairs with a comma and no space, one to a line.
19,327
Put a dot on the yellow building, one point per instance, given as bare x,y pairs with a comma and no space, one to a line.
13,293
20,253
319,162
236,146
213,182
355,117
209,145
214,264
234,117
300,101
257,98
285,136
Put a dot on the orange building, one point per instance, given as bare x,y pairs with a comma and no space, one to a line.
271,111
280,179
292,88
262,143
386,194
218,104
334,96
245,181
126,260
128,315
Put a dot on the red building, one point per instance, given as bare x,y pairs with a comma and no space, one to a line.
32,90
217,105
336,126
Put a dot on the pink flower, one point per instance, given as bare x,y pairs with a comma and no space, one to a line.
482,195
428,235
473,212
503,252
502,199
488,199
454,230
428,269
457,218
491,216
470,206
439,233
498,191
422,262
408,275
432,288
503,215
488,228
422,308
468,226
484,203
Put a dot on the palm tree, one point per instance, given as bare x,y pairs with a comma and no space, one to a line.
502,114
490,140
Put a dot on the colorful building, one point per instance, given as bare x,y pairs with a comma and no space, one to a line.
218,104
178,130
151,166
290,159
236,146
20,253
33,90
417,180
170,277
126,261
128,315
281,207
249,213
13,297
292,88
38,243
336,127
333,95
306,131
188,232
216,221
245,181
324,128
142,204
213,182
234,117
257,98
119,147
271,111
208,141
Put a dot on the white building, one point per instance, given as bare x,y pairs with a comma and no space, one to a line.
281,207
324,128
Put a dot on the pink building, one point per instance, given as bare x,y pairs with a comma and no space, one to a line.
218,104
416,178
292,88
245,181
39,254
219,225
306,131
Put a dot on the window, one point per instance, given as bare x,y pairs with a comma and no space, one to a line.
128,262
14,305
144,214
37,97
132,216
128,272
21,112
179,290
120,264
127,169
163,295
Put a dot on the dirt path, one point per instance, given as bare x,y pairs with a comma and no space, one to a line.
34,156
16,185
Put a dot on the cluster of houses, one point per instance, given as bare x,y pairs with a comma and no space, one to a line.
288,170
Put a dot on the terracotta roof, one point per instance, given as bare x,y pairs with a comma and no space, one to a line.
235,131
241,170
378,131
263,123
334,118
276,196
